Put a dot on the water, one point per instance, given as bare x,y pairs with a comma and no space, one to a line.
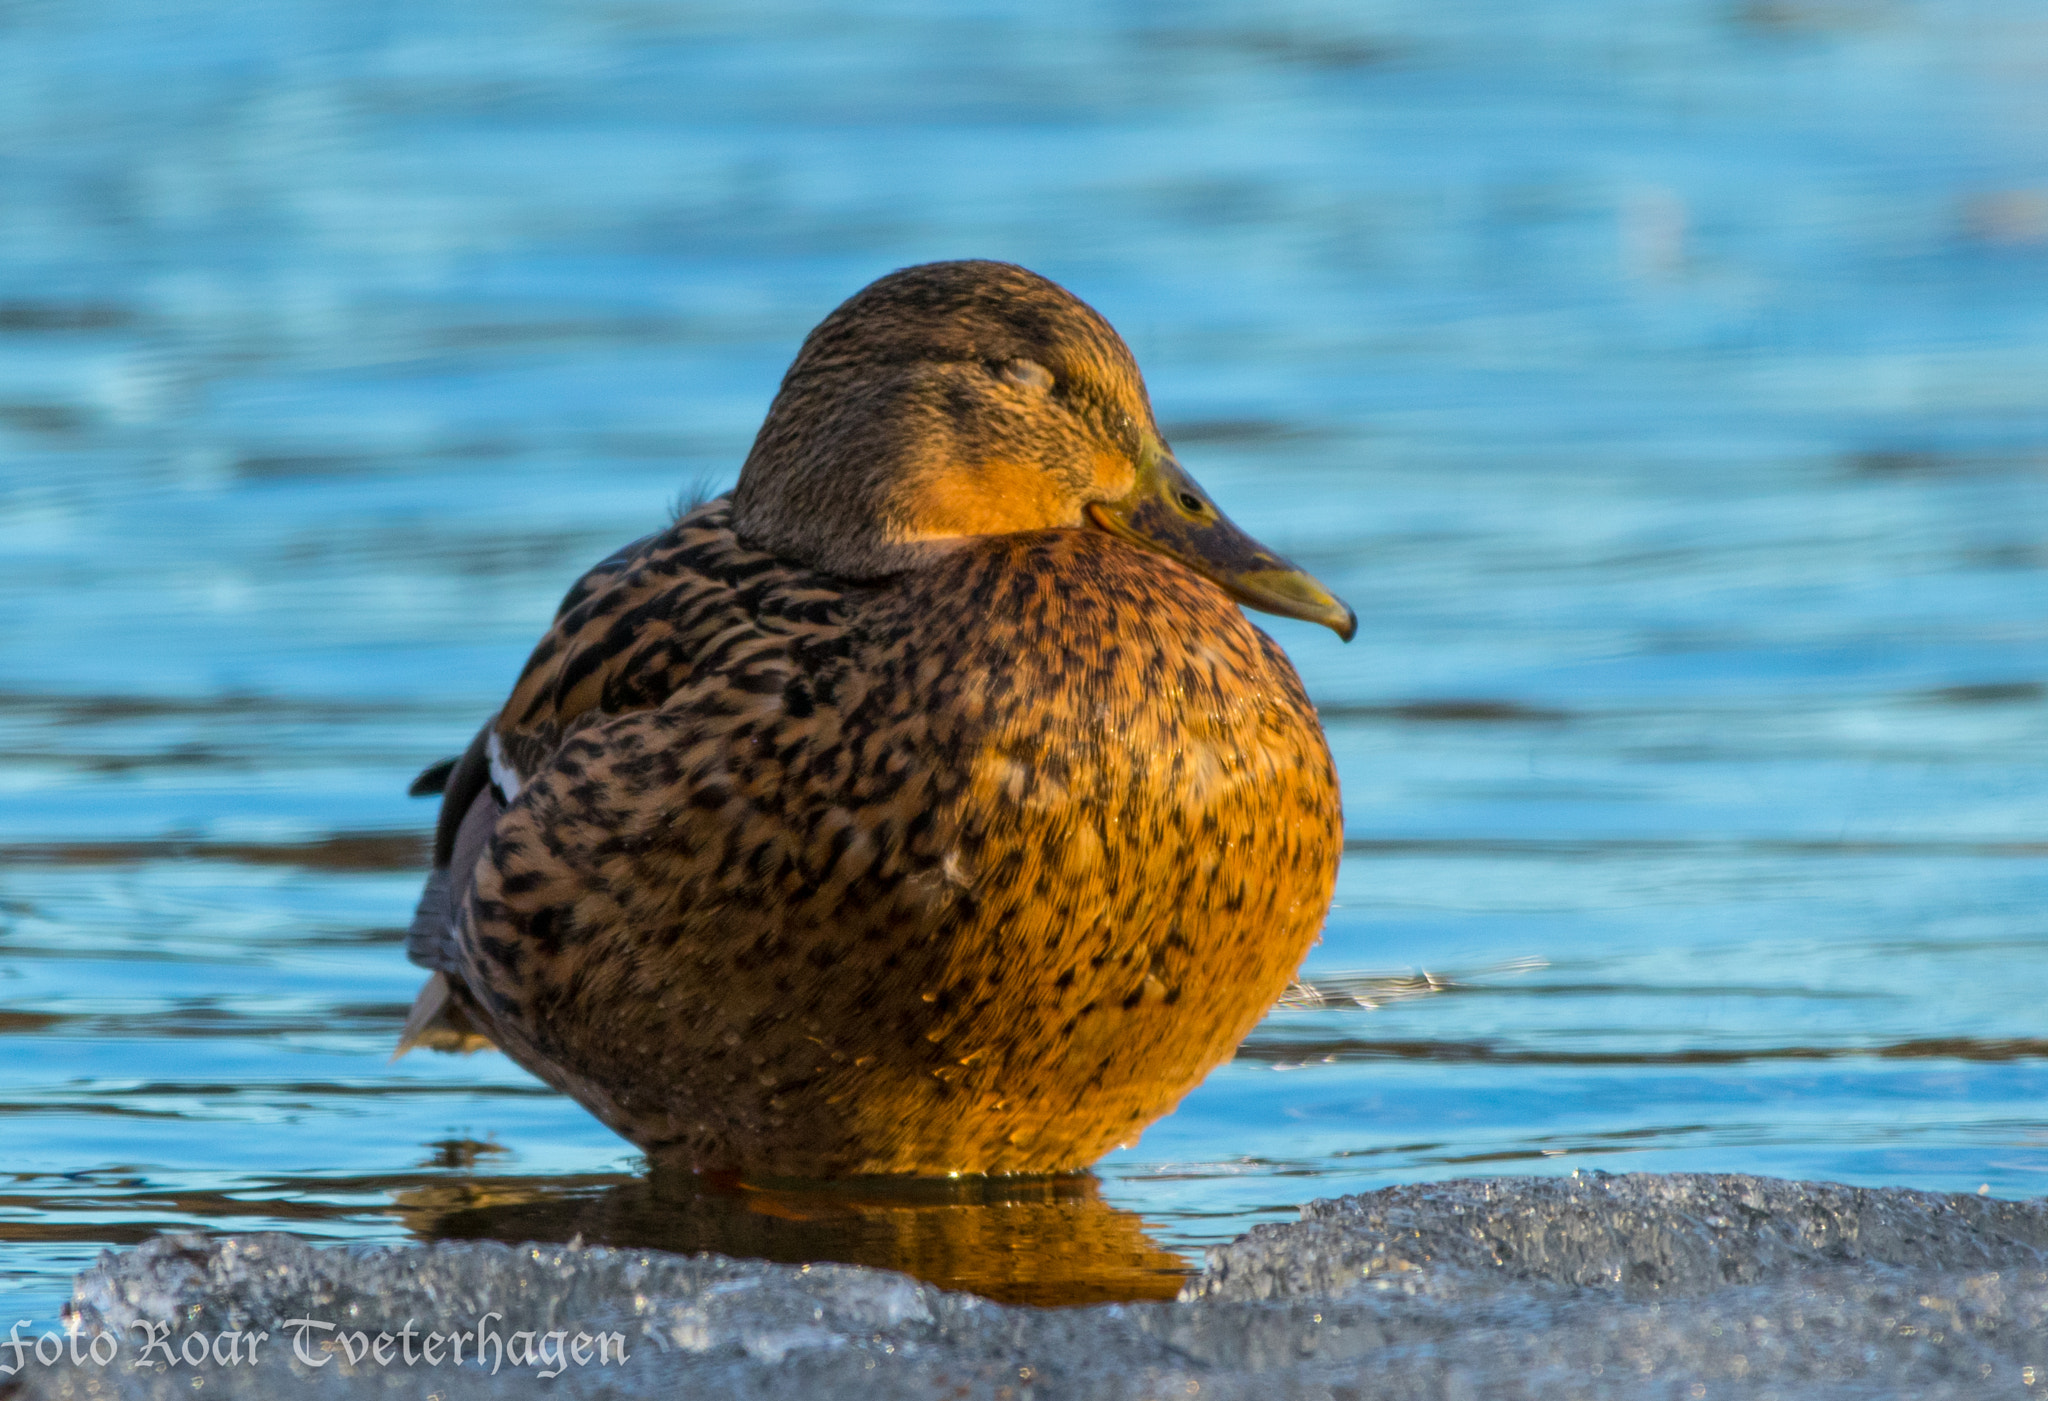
1665,384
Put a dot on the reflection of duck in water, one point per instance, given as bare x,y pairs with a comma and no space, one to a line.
1020,1240
923,806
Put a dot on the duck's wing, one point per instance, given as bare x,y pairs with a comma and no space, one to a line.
481,774
631,633
474,787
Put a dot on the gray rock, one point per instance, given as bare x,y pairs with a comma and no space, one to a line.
1643,1234
1640,1286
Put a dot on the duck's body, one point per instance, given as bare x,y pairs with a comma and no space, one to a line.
975,864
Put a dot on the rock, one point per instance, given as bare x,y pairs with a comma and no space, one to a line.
1644,1234
1677,1286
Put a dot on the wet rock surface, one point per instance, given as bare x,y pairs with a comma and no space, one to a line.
1644,1285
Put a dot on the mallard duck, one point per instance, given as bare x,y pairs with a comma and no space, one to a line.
926,804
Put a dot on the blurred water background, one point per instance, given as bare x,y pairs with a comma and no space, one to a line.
1665,382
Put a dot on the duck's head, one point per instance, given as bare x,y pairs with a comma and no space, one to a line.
955,400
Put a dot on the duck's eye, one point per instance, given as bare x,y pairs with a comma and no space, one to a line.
1025,374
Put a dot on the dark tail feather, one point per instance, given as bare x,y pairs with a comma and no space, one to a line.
433,778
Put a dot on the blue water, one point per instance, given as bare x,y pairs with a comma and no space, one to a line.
1664,382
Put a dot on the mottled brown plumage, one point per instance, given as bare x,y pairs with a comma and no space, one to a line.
921,807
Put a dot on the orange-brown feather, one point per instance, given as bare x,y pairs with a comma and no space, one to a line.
1000,497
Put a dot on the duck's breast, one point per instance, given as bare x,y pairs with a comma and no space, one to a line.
1145,839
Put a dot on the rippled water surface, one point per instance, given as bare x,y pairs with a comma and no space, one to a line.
1665,383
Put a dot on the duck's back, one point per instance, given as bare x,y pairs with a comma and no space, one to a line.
978,869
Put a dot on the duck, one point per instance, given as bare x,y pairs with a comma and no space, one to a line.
927,804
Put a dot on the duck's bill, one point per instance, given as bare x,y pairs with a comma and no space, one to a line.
1168,512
